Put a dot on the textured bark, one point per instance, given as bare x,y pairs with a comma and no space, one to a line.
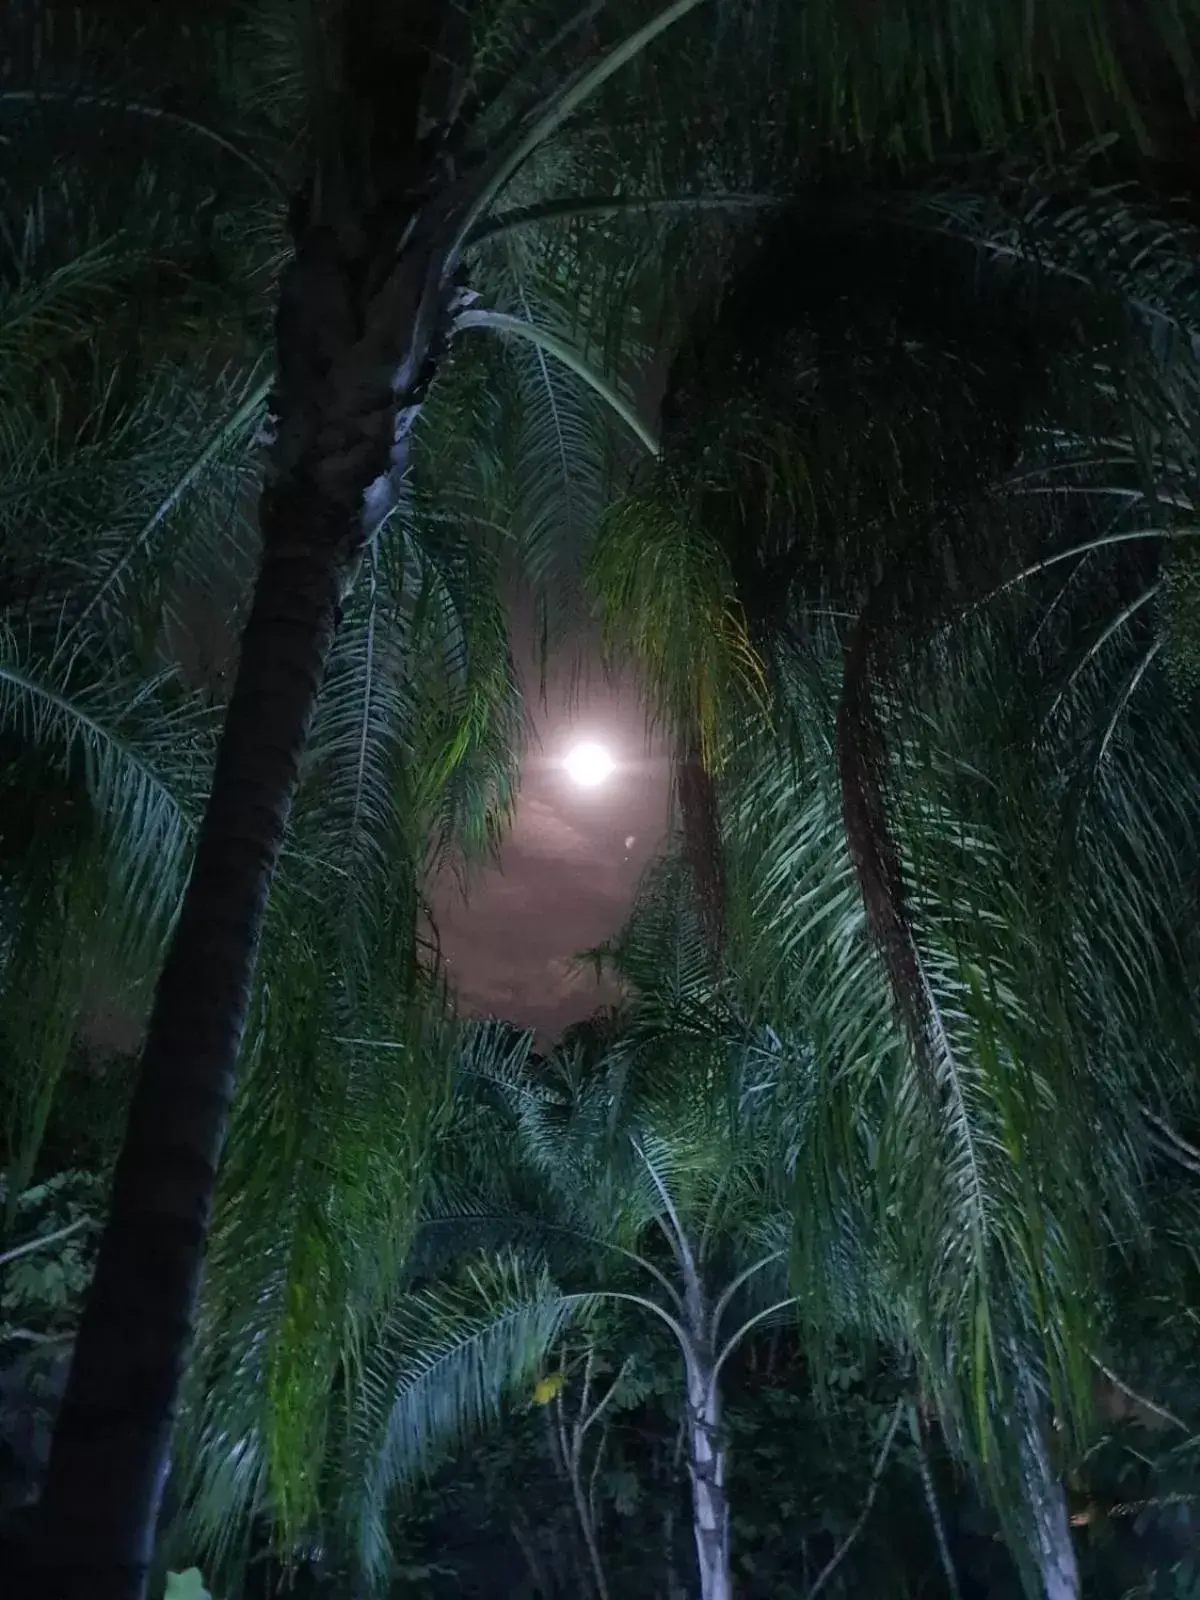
363,312
704,1438
1047,1524
1053,1548
706,1468
111,1443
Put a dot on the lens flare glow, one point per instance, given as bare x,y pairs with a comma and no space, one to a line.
588,765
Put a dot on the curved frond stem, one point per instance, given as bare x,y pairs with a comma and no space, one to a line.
87,727
710,1214
502,322
676,1236
364,733
1049,610
571,208
521,1090
1104,491
659,1276
1130,536
1126,695
237,423
1069,464
947,1054
847,1544
1176,1145
668,1235
744,1276
553,408
546,52
750,1323
682,1337
1027,257
1166,1148
397,1045
548,118
1114,626
1139,1399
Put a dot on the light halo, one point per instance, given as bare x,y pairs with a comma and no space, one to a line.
588,764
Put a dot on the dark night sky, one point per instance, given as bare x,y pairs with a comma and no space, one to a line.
567,871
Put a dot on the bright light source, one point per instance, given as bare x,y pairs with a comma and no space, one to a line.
588,765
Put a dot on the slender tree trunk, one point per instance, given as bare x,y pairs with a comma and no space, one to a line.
362,311
570,1452
702,1419
1049,1524
587,1527
706,1468
933,1506
111,1443
1053,1547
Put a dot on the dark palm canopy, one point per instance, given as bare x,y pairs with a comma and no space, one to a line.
325,327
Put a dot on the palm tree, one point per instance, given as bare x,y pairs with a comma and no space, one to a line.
816,1110
464,202
116,439
355,256
899,455
386,208
650,1175
982,1190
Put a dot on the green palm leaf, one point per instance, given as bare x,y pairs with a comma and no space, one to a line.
137,759
442,1368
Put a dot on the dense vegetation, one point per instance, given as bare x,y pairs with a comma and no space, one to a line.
855,1252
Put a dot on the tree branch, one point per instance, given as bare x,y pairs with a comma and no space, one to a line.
1174,1143
840,1554
932,1506
606,1399
1138,1399
46,1239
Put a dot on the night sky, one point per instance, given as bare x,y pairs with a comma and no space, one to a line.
568,869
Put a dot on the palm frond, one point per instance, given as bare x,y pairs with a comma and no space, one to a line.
214,435
321,1196
442,1368
137,757
549,344
666,596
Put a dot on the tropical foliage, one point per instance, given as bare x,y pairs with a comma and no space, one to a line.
867,1220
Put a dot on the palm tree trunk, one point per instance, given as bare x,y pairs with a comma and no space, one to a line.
1049,1524
1053,1547
697,1336
706,1468
111,1443
362,316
